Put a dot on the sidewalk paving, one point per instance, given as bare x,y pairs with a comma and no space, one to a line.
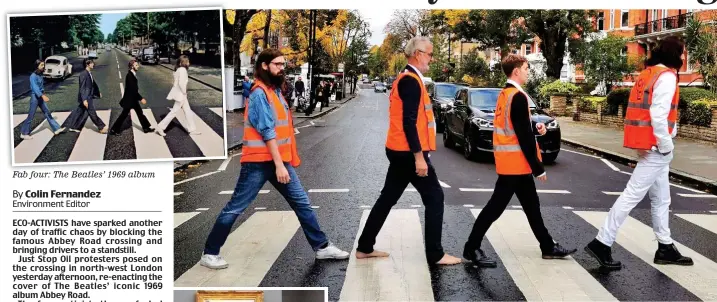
210,76
693,161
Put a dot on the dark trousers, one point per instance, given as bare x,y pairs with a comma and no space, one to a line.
117,127
401,172
79,116
522,186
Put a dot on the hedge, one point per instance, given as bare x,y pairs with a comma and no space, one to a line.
558,87
589,104
698,112
615,99
691,94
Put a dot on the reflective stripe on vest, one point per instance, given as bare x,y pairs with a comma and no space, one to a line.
508,131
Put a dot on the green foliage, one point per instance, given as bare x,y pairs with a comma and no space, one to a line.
558,87
617,98
440,69
691,94
698,113
701,42
532,87
590,103
492,28
602,62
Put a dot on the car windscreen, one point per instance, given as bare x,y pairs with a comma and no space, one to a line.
52,61
446,90
148,51
488,98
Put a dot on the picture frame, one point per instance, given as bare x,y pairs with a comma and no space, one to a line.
229,296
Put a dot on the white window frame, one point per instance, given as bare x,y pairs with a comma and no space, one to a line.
687,61
528,46
622,13
612,19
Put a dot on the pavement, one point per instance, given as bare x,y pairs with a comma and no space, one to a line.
210,76
343,170
89,145
21,82
693,161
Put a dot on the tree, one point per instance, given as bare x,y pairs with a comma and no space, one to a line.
440,70
701,42
408,23
493,28
603,62
555,28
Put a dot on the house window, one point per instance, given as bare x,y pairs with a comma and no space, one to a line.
601,21
623,51
612,18
528,49
515,51
624,18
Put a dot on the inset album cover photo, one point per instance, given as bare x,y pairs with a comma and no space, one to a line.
117,86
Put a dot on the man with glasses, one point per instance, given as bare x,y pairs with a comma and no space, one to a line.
411,136
268,154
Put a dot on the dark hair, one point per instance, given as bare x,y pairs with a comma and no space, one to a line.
265,56
511,62
182,61
668,52
131,63
87,62
37,65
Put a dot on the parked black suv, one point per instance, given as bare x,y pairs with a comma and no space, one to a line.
442,95
469,122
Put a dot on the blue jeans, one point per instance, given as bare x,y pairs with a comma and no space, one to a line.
251,178
34,103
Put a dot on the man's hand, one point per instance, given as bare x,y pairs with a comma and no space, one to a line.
87,105
282,175
45,98
642,153
421,166
144,102
543,178
541,128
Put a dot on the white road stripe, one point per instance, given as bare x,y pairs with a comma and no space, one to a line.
259,208
218,110
516,207
120,74
250,250
121,89
28,150
230,192
17,119
609,164
612,193
443,184
410,190
180,218
539,191
178,193
568,208
202,209
475,190
314,207
705,221
90,145
148,145
639,239
625,172
585,154
513,241
415,205
403,276
225,163
674,185
713,212
209,141
468,205
697,195
328,190
368,207
196,177
296,131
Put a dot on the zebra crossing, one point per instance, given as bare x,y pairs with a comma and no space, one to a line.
89,145
270,243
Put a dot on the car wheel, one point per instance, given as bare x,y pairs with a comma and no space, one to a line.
447,139
549,158
469,151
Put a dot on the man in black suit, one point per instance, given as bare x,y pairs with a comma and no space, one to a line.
86,106
130,101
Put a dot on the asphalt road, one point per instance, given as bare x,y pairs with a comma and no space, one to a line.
344,166
110,71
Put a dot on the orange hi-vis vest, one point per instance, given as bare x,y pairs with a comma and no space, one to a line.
509,158
254,148
425,123
638,123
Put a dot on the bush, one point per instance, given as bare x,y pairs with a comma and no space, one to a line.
558,87
691,94
616,99
698,112
532,87
589,104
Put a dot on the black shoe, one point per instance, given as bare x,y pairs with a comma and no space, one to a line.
481,261
148,130
558,252
668,254
603,254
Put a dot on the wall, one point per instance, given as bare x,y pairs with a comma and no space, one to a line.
269,296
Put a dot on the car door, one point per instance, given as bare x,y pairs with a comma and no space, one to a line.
454,110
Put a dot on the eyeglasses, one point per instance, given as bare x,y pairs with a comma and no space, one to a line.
278,64
430,54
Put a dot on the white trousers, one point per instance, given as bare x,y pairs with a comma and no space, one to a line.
651,176
180,106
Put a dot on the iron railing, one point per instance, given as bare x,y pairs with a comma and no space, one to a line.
672,22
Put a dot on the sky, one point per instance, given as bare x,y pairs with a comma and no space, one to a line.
108,22
377,19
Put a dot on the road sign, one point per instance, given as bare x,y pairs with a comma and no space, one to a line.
341,67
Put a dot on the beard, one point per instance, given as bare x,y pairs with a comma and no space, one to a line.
40,70
277,79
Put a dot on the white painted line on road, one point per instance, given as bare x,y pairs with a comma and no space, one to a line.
250,250
328,190
180,218
516,207
312,123
28,150
443,184
568,208
120,74
260,208
713,212
314,207
225,163
148,145
638,239
403,276
296,131
209,142
263,191
554,191
624,172
588,155
518,253
697,195
415,205
612,193
178,193
468,205
705,221
226,192
195,178
121,89
17,119
609,164
475,190
686,188
304,126
410,190
218,110
202,209
90,145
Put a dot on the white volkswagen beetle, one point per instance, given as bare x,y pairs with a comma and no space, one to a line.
57,67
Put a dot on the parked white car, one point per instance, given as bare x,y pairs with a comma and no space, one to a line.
57,67
92,54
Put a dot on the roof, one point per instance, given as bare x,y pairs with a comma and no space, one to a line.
56,57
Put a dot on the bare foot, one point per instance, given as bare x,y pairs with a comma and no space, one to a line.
448,260
374,254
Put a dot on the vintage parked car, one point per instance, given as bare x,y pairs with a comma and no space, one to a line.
149,56
92,54
469,123
379,87
57,67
